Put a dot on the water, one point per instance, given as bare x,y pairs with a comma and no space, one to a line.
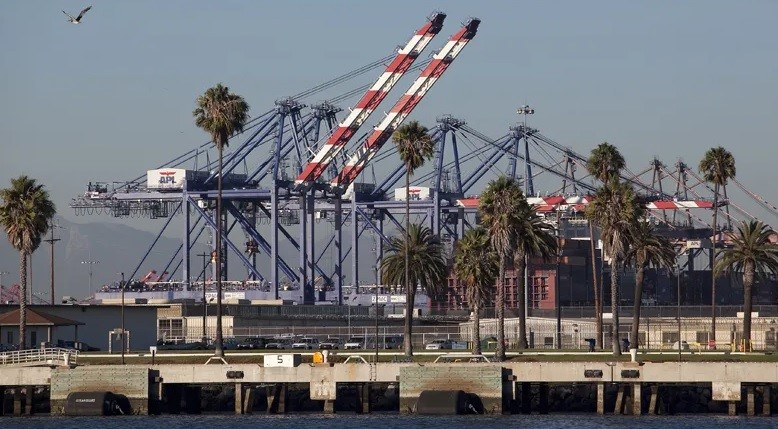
390,421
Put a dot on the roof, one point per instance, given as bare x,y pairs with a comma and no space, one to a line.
36,318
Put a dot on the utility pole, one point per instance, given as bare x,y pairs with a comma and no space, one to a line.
51,240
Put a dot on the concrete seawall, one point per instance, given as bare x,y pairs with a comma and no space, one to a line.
501,387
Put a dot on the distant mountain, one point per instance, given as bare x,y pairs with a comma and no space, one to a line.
116,248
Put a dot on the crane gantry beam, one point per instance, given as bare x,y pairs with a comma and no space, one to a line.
440,62
372,98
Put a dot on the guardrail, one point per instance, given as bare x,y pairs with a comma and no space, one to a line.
40,357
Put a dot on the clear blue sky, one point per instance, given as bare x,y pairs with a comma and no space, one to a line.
112,97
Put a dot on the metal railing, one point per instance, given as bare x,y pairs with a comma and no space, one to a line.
40,357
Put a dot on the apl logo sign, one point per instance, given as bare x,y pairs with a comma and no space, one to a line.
167,177
414,194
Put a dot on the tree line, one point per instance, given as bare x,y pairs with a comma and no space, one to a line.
510,232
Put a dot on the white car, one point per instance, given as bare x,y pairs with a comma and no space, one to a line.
330,344
354,343
438,345
307,343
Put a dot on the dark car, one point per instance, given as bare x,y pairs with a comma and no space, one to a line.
77,345
252,343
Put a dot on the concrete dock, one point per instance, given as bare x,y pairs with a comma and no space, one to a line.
501,387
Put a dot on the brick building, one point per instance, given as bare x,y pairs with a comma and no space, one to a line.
574,285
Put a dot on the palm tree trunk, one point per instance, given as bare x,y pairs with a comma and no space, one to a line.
500,304
410,297
22,300
595,284
219,344
615,307
409,294
639,275
477,328
748,283
713,262
521,265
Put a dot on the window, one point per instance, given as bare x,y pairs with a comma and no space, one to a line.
33,338
10,337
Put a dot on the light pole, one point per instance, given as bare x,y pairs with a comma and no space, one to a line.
123,334
2,273
524,111
678,311
90,262
51,240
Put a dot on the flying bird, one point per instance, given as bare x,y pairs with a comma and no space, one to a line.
76,20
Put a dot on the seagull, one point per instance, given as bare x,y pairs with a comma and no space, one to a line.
78,19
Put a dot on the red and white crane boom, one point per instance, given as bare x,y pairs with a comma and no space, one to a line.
372,98
405,105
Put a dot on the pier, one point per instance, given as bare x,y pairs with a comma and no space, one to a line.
500,387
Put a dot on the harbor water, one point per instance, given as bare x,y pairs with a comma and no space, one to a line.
390,421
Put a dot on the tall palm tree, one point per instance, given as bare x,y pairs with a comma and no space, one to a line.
25,214
418,261
415,146
475,265
535,238
604,163
221,114
753,254
498,206
717,167
615,209
646,248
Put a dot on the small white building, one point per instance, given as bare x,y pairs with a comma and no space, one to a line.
41,327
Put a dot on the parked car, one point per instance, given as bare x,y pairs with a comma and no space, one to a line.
278,344
441,344
8,347
252,343
180,345
307,343
77,345
331,344
354,343
388,342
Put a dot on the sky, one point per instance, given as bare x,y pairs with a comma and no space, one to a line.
112,97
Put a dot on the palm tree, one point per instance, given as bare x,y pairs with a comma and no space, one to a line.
419,261
604,163
498,206
534,238
646,248
415,146
221,114
615,209
25,214
753,254
475,265
717,167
